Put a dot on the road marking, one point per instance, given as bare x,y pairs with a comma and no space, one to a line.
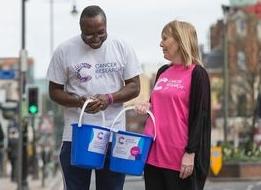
258,183
250,187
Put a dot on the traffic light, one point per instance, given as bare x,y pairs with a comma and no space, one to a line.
33,103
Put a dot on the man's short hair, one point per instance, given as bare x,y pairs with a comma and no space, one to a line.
92,11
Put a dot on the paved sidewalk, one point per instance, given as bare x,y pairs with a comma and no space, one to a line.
51,183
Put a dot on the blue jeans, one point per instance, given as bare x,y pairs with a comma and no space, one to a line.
79,178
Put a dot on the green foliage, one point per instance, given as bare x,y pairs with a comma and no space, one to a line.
247,153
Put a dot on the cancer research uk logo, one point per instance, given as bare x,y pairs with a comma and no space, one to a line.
82,71
121,140
164,84
109,67
100,135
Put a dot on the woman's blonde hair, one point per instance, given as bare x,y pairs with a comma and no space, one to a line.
186,36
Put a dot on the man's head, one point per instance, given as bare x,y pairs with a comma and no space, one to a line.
93,26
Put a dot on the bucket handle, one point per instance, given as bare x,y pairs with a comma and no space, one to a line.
131,108
88,100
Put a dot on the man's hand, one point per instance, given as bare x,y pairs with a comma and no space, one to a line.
92,107
104,101
100,102
187,165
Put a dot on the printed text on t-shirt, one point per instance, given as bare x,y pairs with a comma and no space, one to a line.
164,84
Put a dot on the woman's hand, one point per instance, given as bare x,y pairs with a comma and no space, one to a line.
142,108
187,165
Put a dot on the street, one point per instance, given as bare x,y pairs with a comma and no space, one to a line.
234,185
228,185
137,183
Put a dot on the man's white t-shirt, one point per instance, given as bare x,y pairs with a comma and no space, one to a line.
86,72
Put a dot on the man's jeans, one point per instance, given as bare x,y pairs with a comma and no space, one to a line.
76,178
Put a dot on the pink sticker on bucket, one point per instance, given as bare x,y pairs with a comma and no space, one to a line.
135,151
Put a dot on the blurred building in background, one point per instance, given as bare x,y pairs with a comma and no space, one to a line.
9,98
243,33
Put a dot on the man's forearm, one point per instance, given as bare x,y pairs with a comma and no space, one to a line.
57,94
65,99
128,92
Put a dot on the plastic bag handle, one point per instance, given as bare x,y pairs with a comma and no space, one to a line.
88,100
131,108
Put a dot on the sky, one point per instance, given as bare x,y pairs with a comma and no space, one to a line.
139,22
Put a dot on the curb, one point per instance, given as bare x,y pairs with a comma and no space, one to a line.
224,179
209,179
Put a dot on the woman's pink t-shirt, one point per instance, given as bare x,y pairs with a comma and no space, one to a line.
170,106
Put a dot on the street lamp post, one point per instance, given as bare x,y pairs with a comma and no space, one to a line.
22,157
74,11
225,70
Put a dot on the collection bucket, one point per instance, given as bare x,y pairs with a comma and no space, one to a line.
130,150
89,143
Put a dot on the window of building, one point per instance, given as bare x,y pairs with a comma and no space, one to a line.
241,27
241,106
259,30
241,60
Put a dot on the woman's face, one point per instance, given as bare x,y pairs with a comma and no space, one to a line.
170,47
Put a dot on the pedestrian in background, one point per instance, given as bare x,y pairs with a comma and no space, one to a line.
180,100
96,65
2,138
12,148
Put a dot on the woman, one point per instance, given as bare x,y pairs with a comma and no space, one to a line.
180,101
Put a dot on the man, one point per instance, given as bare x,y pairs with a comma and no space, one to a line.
95,65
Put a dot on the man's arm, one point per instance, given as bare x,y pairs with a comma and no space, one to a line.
128,92
57,94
